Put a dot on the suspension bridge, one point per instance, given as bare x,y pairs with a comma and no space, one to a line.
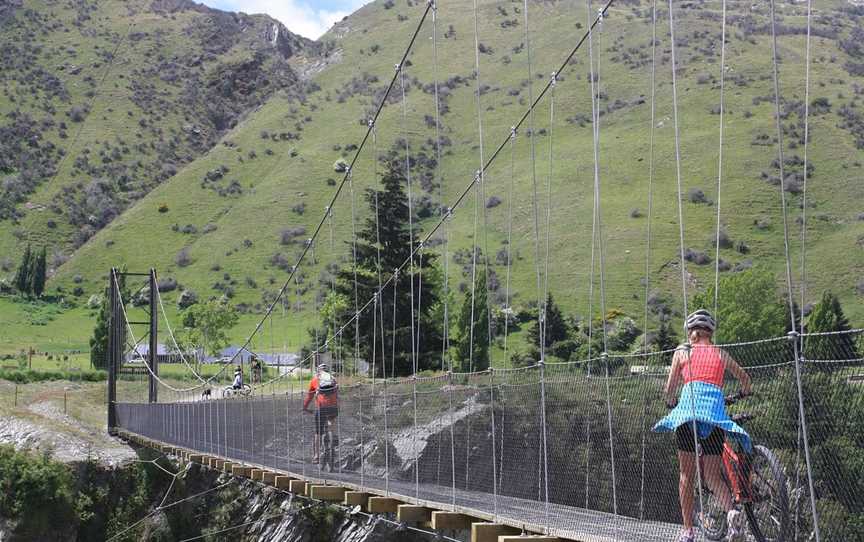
551,451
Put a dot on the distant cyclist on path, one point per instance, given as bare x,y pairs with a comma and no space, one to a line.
323,389
700,367
238,378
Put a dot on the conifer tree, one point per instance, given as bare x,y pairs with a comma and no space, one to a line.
472,344
556,329
387,228
664,340
828,316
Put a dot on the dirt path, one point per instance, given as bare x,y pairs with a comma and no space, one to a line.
38,423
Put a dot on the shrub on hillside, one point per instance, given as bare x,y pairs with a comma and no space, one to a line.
696,256
168,284
183,258
696,195
289,235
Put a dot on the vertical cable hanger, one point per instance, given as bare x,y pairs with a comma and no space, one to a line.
650,213
794,335
534,198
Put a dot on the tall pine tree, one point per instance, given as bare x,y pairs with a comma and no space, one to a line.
387,228
556,329
38,274
662,341
22,275
828,316
472,343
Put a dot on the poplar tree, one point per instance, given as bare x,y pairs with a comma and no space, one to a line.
38,274
22,275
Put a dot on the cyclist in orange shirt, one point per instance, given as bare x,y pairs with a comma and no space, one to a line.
323,389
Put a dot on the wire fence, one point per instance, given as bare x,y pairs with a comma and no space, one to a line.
567,448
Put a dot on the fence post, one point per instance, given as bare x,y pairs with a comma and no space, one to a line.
16,395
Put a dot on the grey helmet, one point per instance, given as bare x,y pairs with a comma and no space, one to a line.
701,318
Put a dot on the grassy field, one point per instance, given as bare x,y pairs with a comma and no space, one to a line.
240,252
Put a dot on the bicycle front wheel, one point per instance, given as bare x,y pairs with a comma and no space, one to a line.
768,512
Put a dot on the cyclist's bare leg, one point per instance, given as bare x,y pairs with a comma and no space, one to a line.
713,472
687,467
316,443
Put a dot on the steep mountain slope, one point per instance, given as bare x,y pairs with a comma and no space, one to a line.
103,101
232,221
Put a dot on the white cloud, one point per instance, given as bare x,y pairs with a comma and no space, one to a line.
299,16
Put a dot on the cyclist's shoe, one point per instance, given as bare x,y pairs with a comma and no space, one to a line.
687,536
735,523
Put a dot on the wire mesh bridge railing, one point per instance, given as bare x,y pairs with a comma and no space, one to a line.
567,448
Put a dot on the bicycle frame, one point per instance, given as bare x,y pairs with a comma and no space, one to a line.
737,469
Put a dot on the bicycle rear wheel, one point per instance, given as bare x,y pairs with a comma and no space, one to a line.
768,513
713,519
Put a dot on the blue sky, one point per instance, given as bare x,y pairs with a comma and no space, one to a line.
309,18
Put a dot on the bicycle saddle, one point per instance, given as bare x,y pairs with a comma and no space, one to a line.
743,417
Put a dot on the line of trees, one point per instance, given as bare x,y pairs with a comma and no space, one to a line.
32,273
750,307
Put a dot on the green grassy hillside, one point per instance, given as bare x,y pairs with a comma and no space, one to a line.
103,101
232,221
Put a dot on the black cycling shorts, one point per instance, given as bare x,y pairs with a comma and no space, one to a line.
322,416
710,445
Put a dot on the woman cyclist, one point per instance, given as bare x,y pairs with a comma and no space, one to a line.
700,367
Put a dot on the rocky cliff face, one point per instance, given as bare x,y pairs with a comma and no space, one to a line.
169,501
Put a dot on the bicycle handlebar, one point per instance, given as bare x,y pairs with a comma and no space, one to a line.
735,397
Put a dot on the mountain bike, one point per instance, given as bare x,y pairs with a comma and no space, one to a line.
328,448
758,486
327,441
230,391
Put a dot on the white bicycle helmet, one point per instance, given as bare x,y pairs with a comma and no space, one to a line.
701,318
323,367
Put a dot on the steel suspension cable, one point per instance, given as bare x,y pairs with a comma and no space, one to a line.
463,194
650,212
683,262
439,178
542,326
401,69
354,269
720,158
804,204
534,198
595,98
553,79
366,137
509,262
794,335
